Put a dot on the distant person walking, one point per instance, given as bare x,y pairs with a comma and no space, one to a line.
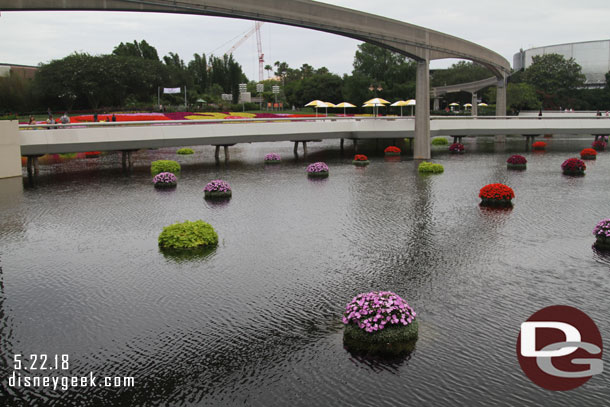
95,117
65,119
540,114
113,117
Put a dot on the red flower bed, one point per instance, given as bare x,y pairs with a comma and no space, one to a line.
573,165
360,157
392,149
496,192
516,159
539,145
456,148
588,153
92,154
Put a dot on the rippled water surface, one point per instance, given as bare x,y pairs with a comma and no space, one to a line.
258,320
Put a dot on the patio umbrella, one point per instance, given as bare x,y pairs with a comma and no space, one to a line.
373,105
316,103
329,104
344,105
482,104
467,104
400,103
453,105
411,102
377,101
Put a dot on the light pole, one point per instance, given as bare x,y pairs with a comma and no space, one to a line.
375,89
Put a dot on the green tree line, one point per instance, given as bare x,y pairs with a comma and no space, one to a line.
131,75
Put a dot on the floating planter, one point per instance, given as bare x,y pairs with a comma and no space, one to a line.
217,189
430,168
185,151
602,235
516,162
456,148
539,145
361,160
496,195
588,154
440,141
92,154
273,158
318,170
165,180
573,166
379,322
157,167
392,151
188,236
599,145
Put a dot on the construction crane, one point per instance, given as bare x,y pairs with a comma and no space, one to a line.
261,57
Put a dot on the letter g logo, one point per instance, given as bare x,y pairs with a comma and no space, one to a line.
555,344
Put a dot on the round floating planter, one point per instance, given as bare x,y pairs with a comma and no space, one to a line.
430,168
440,141
273,158
516,162
360,160
217,189
379,322
599,145
392,151
165,180
92,154
317,170
539,145
195,235
496,195
185,151
456,148
157,167
588,154
573,166
602,235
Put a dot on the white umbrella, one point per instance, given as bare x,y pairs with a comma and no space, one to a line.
377,102
467,105
317,103
482,104
411,102
400,103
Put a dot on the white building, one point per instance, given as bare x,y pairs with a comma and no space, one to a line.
592,56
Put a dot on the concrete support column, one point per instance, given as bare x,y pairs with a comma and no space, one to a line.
217,152
226,153
501,97
421,148
437,104
10,149
474,110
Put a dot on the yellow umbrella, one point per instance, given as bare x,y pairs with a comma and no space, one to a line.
344,105
467,105
377,101
482,104
400,103
317,103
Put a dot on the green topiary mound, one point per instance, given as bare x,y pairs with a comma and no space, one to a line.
430,168
185,151
440,141
188,236
157,167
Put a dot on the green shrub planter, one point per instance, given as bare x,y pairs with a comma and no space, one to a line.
496,202
430,168
391,341
361,163
440,141
185,151
218,194
188,236
574,173
516,166
157,167
319,174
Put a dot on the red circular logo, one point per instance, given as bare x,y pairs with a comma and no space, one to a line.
560,348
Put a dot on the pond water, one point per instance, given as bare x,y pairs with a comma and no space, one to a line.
257,321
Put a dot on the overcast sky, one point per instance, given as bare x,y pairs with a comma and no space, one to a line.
29,38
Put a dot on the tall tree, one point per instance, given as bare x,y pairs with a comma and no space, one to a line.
555,78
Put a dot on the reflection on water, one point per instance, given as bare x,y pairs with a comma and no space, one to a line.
257,321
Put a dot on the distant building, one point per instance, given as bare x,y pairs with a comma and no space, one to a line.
592,56
24,71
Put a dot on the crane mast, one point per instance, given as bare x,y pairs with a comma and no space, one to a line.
259,47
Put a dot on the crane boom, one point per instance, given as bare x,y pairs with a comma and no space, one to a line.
261,58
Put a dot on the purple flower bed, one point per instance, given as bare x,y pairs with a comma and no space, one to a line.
602,234
317,167
375,310
272,157
217,185
516,159
165,179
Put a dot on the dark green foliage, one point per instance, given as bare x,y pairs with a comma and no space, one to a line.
555,79
159,166
185,151
391,341
516,166
188,235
